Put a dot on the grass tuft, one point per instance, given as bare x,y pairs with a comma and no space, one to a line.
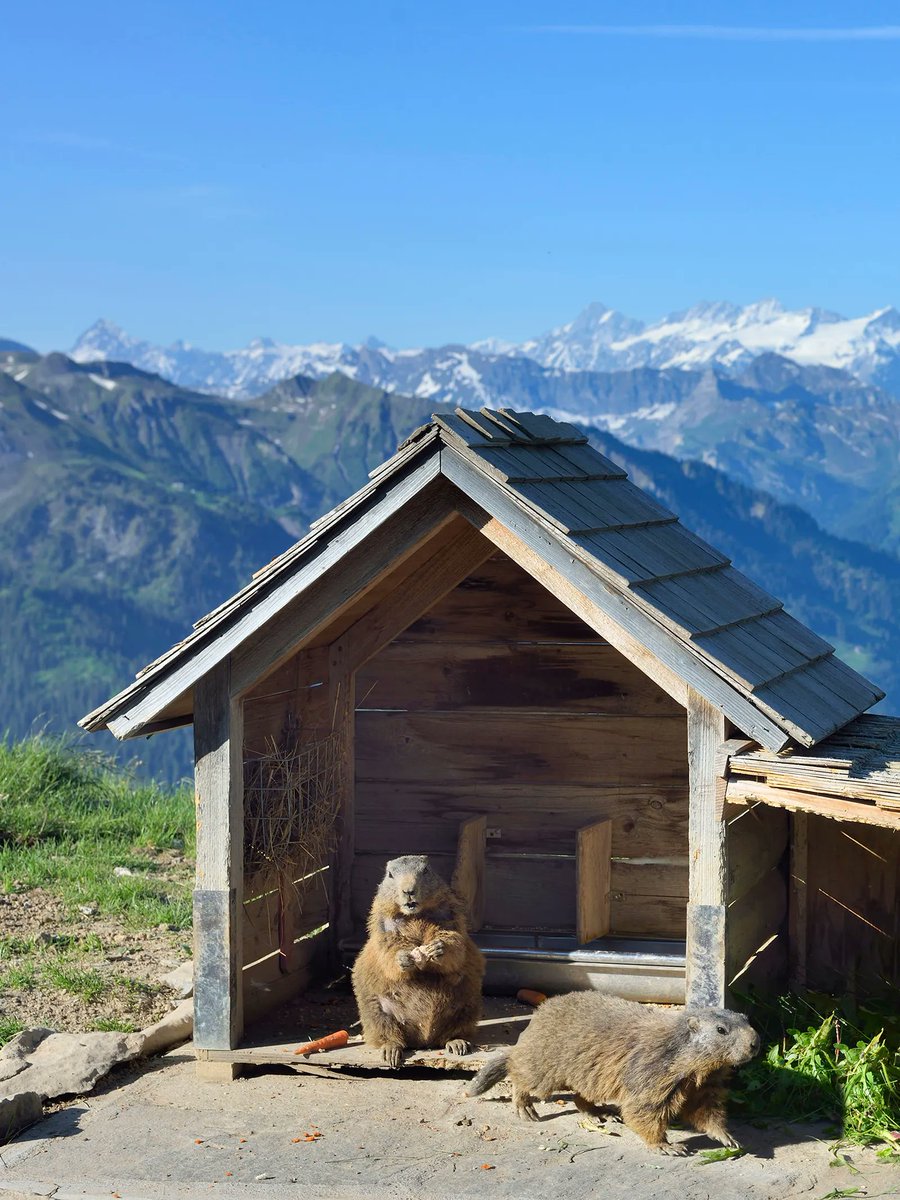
9,1027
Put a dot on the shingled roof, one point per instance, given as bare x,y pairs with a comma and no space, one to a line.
724,636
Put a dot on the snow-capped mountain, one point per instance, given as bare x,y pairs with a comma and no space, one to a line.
726,336
720,335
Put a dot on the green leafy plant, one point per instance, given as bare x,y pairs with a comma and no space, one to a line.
827,1059
720,1154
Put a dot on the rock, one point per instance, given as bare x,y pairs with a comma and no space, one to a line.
122,871
181,980
176,1026
17,1113
88,910
61,1064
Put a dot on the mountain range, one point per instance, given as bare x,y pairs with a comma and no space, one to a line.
130,505
719,335
809,433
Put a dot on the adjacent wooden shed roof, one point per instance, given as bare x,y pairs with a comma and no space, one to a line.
577,511
852,775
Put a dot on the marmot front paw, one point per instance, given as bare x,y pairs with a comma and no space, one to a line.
457,1046
432,950
392,1055
406,959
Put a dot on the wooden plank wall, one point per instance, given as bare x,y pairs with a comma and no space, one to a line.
849,886
285,918
756,935
500,701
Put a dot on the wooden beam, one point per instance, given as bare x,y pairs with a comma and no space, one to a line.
536,546
798,895
749,791
706,836
468,877
342,684
417,594
593,847
218,895
342,587
140,704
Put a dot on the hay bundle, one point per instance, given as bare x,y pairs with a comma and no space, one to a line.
291,801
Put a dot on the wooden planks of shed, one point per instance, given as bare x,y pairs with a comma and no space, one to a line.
500,701
317,1013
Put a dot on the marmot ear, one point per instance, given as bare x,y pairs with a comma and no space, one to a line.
693,1024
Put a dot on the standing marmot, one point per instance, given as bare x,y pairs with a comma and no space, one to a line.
654,1064
417,980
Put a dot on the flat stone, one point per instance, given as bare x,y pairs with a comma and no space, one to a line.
17,1113
181,980
61,1064
175,1027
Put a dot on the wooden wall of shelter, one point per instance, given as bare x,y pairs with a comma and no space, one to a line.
501,702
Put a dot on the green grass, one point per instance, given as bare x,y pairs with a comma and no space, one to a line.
88,985
9,1027
69,816
827,1059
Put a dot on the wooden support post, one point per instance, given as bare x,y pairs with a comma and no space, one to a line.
218,895
798,900
593,846
705,973
468,877
342,687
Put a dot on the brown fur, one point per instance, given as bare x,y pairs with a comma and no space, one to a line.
653,1064
417,980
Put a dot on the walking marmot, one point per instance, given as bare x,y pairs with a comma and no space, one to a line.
417,980
653,1064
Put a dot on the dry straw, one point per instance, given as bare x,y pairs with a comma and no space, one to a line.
291,801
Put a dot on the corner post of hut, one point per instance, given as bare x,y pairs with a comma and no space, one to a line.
218,893
705,957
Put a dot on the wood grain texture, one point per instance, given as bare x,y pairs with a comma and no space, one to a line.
468,873
419,592
327,589
707,889
751,923
498,746
499,603
218,783
756,840
798,919
543,677
747,791
649,820
593,847
853,908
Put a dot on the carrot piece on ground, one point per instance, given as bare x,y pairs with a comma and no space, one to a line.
331,1041
527,996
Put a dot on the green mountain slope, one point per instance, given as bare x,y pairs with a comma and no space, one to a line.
129,507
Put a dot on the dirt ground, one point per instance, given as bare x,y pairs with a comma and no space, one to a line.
40,933
158,1133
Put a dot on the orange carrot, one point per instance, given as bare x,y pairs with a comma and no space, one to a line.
527,996
332,1041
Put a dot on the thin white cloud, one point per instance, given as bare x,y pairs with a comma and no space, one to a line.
733,33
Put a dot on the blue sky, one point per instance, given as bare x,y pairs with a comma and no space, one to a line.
432,172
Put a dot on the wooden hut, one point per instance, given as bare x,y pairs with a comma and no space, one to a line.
503,653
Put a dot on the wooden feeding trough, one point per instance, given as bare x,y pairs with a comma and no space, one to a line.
502,653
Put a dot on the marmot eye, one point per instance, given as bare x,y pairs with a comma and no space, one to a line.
721,1029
